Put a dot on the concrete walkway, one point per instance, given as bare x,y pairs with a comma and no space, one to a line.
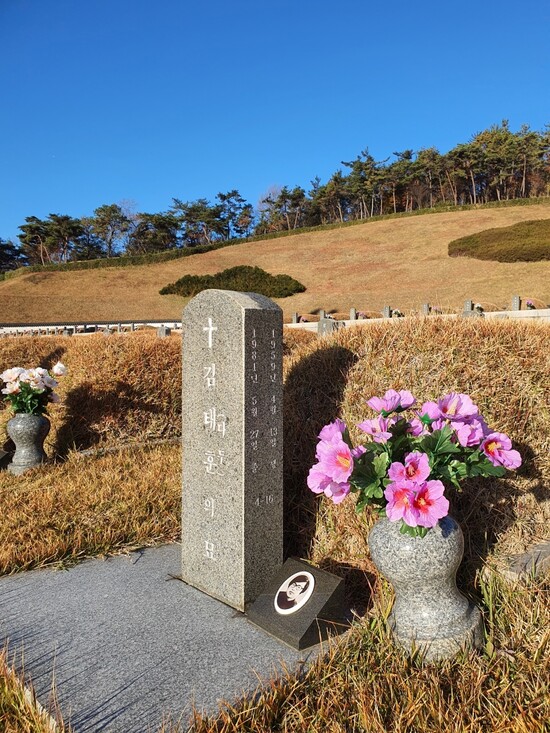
129,644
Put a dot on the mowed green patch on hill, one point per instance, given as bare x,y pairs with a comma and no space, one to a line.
401,262
527,241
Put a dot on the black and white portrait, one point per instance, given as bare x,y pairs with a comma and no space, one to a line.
294,593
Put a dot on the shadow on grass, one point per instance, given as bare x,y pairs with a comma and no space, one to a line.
486,509
360,584
91,415
313,395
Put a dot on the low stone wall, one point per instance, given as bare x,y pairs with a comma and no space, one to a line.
541,314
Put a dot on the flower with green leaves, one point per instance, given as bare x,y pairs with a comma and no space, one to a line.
402,471
30,391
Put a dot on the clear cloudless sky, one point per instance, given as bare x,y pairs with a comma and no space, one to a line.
145,100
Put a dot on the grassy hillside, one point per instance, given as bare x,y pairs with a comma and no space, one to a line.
400,262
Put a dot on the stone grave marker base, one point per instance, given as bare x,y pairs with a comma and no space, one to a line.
322,615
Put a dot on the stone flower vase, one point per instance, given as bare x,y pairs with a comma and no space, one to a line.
28,432
429,612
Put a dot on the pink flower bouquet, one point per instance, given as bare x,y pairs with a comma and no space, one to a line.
402,470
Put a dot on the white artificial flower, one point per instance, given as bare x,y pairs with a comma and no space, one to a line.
49,381
11,388
59,369
34,380
11,375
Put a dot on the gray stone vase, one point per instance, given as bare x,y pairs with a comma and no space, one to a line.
429,612
28,432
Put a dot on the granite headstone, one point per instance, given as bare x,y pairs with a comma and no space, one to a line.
232,503
327,325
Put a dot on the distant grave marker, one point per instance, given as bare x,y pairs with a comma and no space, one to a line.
327,325
232,502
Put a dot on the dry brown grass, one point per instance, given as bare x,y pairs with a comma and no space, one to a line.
364,685
19,711
398,262
89,506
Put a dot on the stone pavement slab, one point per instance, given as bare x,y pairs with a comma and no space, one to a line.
129,644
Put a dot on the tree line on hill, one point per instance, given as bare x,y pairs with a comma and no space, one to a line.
495,165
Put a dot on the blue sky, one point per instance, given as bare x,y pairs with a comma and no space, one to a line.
109,100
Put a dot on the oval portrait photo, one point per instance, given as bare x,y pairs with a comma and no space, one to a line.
294,593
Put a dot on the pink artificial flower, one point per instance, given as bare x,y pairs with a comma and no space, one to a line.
320,483
430,504
358,451
430,409
337,492
378,428
407,399
497,448
417,428
335,459
333,430
456,406
416,468
388,403
470,434
400,497
438,424
317,479
391,401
